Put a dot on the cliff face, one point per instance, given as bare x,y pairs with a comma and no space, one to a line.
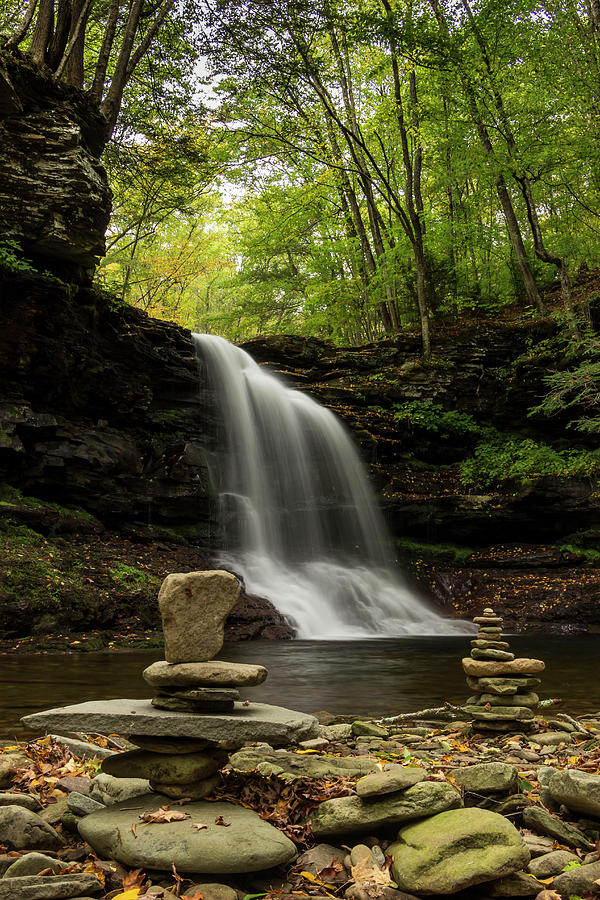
54,196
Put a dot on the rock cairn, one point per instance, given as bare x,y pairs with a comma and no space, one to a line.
193,608
504,688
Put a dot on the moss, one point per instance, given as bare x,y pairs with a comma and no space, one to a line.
132,578
453,553
12,498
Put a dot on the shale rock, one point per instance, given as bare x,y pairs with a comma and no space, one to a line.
456,849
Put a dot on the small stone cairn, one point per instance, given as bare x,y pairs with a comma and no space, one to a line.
193,608
504,687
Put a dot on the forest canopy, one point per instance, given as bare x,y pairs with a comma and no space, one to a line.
342,169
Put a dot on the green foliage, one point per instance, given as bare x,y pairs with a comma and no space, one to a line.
11,258
576,389
499,459
132,578
434,419
452,553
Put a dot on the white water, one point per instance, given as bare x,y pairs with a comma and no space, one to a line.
301,523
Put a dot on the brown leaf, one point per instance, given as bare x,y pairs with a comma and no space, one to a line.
221,821
365,870
163,815
199,826
133,879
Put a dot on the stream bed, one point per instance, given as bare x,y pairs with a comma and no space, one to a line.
363,677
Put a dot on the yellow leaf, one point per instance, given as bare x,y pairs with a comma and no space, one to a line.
128,895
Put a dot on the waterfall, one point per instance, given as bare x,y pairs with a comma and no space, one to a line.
300,520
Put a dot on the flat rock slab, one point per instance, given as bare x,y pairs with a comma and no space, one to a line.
247,844
480,669
54,887
501,686
194,607
288,765
216,672
255,722
351,815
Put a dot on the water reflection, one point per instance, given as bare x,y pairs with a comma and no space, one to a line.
372,677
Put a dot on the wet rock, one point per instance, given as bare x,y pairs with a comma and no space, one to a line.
248,844
388,782
578,882
175,769
194,607
51,887
289,765
21,829
542,821
352,815
324,856
487,778
551,863
455,850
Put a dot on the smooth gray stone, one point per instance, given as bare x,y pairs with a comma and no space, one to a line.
519,884
249,844
500,655
255,722
576,882
108,790
175,769
501,685
82,805
32,864
351,815
579,791
540,820
83,749
381,783
21,829
487,778
51,887
551,863
213,673
25,800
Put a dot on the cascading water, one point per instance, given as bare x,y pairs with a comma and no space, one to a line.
301,523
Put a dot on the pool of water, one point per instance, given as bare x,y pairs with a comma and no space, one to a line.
376,677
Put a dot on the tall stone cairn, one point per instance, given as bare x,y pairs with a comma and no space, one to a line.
194,607
504,688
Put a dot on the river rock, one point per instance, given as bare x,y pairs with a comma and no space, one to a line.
248,844
487,778
551,863
479,669
368,729
519,884
501,685
10,763
82,804
194,607
553,738
167,745
54,812
579,791
578,882
488,621
507,713
195,790
21,829
211,891
380,783
25,800
289,765
83,749
177,704
540,820
51,887
175,769
32,863
213,673
352,815
525,699
500,655
482,644
255,722
108,790
456,849
202,694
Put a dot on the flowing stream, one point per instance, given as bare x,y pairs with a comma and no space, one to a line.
300,521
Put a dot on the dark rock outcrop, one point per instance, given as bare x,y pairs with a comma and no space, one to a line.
54,195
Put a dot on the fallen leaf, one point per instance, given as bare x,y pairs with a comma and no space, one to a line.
133,879
199,826
163,816
221,821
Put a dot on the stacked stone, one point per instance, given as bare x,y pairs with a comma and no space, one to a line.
504,687
194,608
